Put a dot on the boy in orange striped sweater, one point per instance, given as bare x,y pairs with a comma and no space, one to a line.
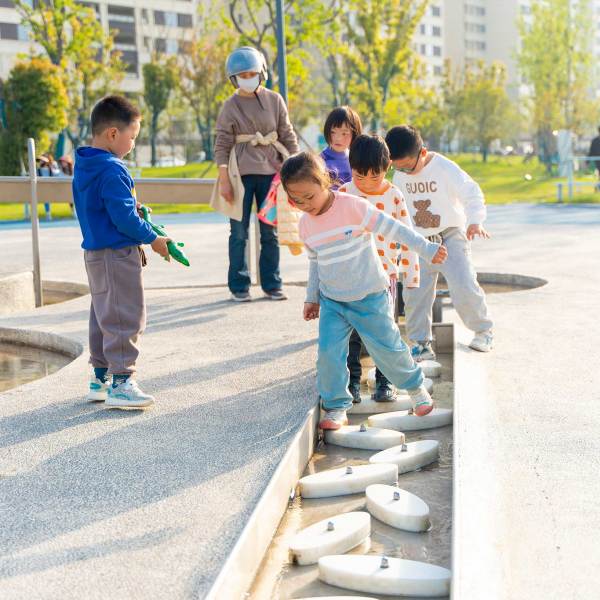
370,162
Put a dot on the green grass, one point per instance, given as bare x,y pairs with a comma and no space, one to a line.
502,178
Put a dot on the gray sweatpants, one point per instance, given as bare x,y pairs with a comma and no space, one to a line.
118,311
467,296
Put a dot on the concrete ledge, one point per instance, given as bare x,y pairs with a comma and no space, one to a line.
16,292
42,340
245,559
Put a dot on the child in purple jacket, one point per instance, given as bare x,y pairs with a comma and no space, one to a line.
342,127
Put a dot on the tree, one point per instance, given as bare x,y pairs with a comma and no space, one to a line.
486,108
203,82
36,105
74,41
159,81
307,25
556,61
379,34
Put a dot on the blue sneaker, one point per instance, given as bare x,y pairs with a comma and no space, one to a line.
422,351
98,390
128,395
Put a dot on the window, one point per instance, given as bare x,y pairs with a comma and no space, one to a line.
148,44
474,45
422,28
471,9
22,33
145,19
423,49
436,11
184,20
172,46
475,27
130,58
437,51
160,45
437,70
436,31
8,31
7,4
171,19
159,17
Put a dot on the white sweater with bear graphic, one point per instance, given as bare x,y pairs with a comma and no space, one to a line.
441,195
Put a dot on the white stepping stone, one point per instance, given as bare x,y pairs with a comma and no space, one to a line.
409,457
381,575
430,368
362,437
398,508
368,406
405,421
335,535
347,480
371,382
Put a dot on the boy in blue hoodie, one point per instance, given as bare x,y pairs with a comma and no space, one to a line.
113,232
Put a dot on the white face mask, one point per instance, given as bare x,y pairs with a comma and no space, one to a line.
248,85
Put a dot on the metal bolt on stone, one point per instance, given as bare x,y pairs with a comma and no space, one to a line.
330,526
396,495
349,471
404,448
385,563
363,427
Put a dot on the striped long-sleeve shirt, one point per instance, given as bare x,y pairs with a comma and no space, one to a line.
343,260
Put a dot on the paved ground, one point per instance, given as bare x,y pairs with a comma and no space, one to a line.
126,505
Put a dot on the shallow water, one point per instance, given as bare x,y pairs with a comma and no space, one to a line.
21,364
278,579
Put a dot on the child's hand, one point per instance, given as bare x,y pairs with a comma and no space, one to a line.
159,245
311,311
440,256
473,230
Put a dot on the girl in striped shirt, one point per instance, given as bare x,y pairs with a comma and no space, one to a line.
347,285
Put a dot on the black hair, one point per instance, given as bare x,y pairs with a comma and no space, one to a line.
369,153
305,166
113,111
403,141
342,115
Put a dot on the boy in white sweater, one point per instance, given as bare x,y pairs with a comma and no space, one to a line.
447,206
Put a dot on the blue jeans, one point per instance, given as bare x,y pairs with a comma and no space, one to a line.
373,319
238,279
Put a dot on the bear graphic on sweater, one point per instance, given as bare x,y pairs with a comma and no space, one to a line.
424,218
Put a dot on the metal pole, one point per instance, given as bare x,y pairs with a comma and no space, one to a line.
35,225
281,58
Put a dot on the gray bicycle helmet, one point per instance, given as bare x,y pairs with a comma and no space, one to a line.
246,59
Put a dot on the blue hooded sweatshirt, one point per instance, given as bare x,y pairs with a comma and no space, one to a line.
104,195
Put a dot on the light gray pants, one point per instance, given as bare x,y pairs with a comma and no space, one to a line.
118,311
467,296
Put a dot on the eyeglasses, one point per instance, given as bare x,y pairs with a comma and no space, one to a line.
408,171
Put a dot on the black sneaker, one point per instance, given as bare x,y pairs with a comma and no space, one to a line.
354,389
241,296
275,295
384,392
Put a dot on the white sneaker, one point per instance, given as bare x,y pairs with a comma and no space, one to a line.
421,401
422,351
98,390
128,394
483,341
333,419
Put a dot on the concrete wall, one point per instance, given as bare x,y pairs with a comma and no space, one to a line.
16,292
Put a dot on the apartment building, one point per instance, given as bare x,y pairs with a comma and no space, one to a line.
139,27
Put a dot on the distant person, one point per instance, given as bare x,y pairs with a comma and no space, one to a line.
113,233
348,287
253,133
44,170
446,206
370,163
65,164
341,128
595,151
